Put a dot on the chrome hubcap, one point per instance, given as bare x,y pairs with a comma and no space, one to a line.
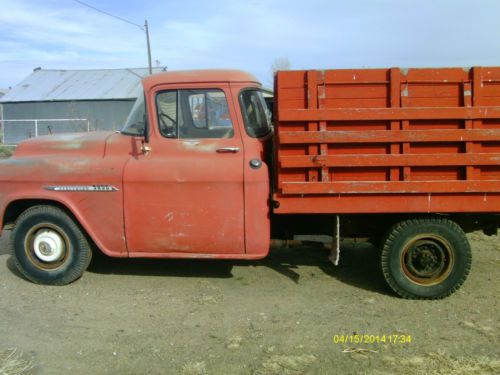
48,246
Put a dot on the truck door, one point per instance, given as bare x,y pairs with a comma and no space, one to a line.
187,195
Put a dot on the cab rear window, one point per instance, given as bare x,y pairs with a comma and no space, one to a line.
256,114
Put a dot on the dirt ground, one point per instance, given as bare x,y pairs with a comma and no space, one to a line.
276,316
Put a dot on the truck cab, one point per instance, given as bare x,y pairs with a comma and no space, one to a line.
198,182
185,177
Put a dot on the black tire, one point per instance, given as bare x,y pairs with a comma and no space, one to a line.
49,247
426,258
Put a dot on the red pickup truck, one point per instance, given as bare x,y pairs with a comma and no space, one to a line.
406,158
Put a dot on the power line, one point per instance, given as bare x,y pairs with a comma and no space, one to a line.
109,14
144,28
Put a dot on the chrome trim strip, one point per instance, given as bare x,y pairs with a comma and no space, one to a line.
83,188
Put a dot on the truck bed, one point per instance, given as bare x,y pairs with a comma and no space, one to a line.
388,140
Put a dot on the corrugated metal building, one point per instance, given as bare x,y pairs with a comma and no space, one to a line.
100,99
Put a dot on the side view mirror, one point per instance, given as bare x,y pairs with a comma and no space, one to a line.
145,148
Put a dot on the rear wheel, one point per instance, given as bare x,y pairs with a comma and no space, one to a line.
426,258
49,247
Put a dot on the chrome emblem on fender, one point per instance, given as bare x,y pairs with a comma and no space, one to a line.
91,188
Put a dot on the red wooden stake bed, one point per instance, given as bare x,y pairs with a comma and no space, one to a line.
388,141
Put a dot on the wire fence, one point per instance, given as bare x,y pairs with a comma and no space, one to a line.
15,131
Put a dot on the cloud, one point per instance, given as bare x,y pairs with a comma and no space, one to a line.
247,35
80,29
53,34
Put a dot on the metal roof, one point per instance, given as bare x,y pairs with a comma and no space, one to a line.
96,84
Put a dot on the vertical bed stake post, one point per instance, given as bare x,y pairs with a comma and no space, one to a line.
335,249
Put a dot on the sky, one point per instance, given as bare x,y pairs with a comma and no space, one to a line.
248,35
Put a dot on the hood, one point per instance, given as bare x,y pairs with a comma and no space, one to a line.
91,144
62,158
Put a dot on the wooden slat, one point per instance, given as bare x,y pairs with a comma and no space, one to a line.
389,136
390,114
356,76
386,203
437,75
356,82
388,160
392,187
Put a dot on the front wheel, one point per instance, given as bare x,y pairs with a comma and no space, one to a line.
49,247
426,258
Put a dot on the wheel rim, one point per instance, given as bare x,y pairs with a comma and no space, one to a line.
46,246
427,259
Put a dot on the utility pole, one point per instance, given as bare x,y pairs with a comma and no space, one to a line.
146,29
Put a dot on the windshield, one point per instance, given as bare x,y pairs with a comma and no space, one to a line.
256,115
136,119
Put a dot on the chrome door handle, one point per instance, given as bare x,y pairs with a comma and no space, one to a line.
228,150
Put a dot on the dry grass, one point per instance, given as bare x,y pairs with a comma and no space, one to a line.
485,330
286,365
13,362
439,364
6,151
234,342
194,368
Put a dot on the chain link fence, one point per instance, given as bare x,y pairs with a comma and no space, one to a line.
15,131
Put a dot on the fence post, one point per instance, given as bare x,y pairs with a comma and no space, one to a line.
36,128
88,126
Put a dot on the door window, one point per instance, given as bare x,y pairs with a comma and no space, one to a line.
192,114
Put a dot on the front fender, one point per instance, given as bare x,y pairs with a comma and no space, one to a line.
99,212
